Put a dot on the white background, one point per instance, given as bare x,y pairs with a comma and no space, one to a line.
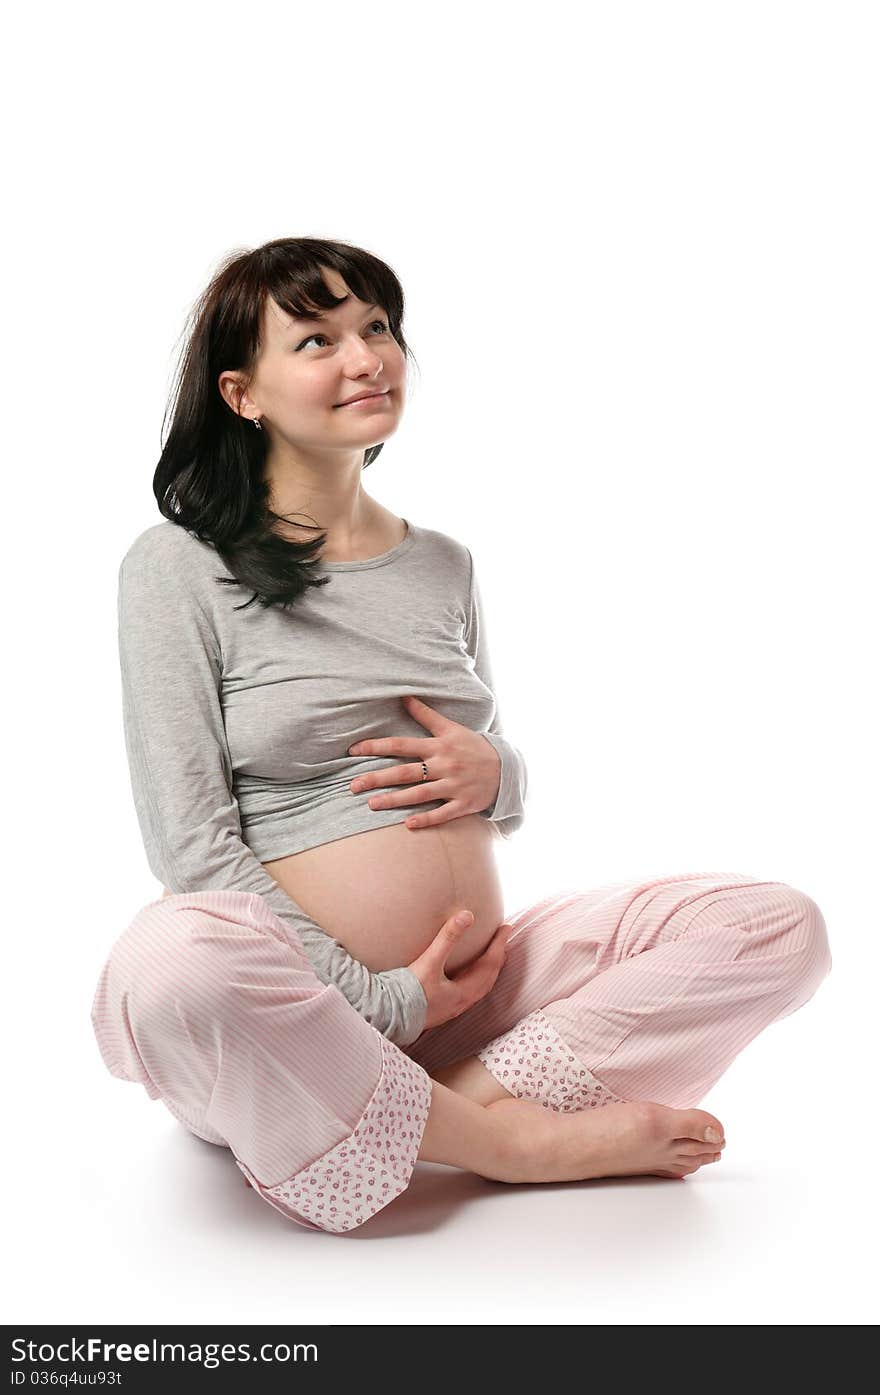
639,245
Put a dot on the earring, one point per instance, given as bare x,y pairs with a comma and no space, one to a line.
256,421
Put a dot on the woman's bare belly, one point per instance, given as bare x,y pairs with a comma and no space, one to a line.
385,893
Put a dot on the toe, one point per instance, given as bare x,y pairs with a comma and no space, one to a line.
689,1151
706,1128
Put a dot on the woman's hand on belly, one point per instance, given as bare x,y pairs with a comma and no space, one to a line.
465,768
447,996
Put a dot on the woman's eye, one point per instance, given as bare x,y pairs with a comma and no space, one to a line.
381,323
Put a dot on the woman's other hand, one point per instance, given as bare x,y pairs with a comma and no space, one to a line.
447,996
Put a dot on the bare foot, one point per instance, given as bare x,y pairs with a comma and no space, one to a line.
631,1138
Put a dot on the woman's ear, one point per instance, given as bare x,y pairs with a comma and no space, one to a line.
233,392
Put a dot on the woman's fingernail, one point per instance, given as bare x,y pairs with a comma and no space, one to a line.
462,918
712,1136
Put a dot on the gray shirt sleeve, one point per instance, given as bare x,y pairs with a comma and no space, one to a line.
508,811
181,775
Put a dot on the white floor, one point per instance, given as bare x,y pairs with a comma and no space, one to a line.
117,1213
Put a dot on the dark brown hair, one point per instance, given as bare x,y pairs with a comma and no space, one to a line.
210,476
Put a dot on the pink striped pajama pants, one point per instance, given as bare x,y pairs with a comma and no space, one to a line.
635,990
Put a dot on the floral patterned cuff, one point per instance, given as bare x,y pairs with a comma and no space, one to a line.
369,1168
533,1062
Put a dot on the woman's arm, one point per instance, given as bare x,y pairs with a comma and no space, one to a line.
181,775
508,811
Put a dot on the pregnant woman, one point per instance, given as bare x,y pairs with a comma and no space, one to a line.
320,775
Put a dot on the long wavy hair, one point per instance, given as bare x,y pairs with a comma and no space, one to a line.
210,478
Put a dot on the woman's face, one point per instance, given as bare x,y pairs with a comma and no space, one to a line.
308,368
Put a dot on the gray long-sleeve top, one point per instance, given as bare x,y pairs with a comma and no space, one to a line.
238,723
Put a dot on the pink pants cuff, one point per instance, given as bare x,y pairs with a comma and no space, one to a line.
534,1063
369,1168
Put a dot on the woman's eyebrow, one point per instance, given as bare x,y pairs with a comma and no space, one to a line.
319,319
